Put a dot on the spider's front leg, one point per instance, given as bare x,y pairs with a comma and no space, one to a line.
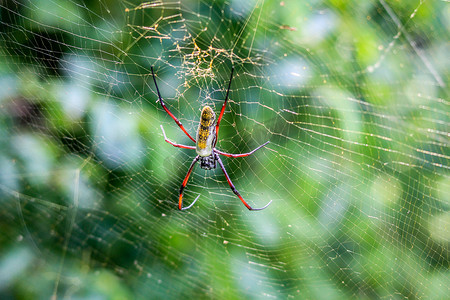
167,110
223,106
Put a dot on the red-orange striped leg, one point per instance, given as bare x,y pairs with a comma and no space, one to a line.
174,144
240,154
167,110
223,106
183,185
234,189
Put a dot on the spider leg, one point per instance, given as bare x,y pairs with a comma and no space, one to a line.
223,106
187,207
174,144
183,185
240,154
234,189
167,110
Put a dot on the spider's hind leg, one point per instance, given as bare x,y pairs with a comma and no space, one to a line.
183,185
234,189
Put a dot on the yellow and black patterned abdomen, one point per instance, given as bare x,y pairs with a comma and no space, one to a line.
206,132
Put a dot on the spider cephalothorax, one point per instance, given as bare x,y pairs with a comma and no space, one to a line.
208,162
207,154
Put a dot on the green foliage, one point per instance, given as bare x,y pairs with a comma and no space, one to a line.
352,96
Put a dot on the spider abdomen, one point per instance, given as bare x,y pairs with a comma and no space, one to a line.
206,132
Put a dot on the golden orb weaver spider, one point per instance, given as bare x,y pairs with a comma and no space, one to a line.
205,147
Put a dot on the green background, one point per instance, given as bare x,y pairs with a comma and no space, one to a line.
352,95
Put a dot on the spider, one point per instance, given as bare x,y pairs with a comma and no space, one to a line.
205,147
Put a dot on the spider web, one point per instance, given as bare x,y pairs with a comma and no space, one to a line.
352,96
